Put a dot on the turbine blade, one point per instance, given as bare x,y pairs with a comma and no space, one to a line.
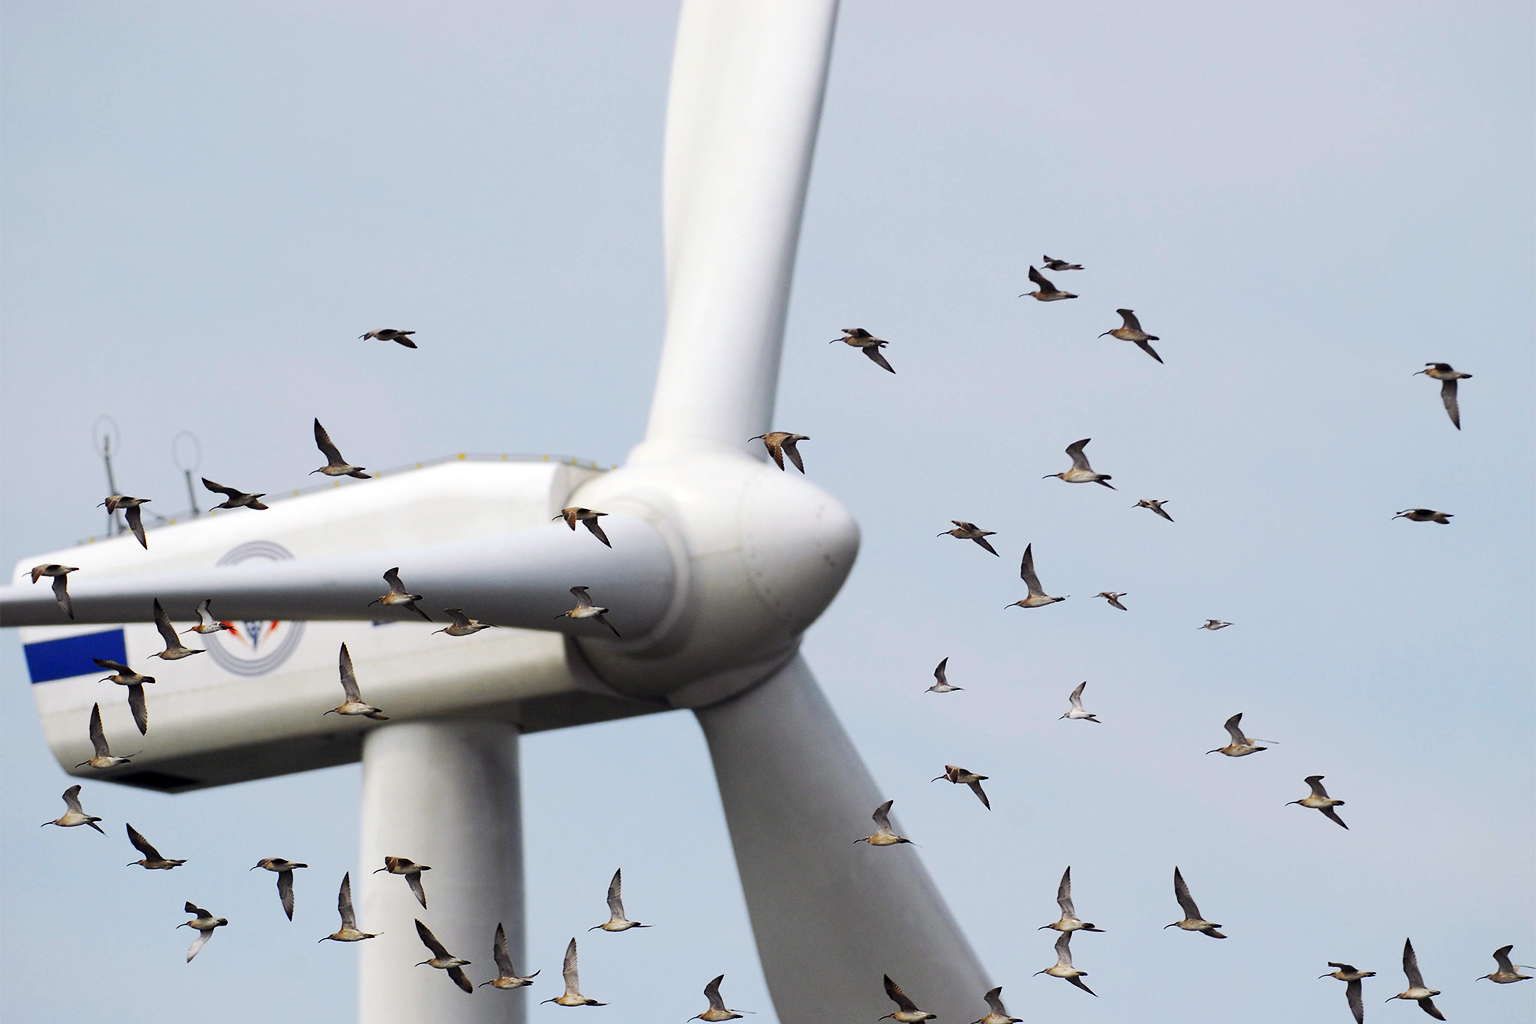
745,101
828,915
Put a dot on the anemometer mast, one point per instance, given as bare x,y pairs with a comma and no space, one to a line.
718,564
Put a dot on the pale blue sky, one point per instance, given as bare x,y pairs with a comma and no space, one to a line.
204,205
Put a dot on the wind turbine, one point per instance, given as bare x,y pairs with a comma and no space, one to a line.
718,564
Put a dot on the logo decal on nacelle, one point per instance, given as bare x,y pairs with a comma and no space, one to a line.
255,648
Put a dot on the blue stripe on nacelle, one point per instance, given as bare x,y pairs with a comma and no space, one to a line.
71,656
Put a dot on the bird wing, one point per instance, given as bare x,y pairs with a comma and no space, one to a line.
1075,452
582,600
1429,1007
1080,984
1316,782
1235,730
344,904
135,517
414,881
1027,571
1186,902
228,492
882,816
499,951
285,891
460,620
1129,316
852,332
430,941
1411,965
198,943
794,453
115,666
878,359
597,531
995,1002
938,673
1448,396
98,737
1356,1004
139,707
899,997
392,577
775,451
327,447
569,968
983,542
712,993
72,801
459,978
1064,894
616,894
61,594
1500,955
604,620
205,613
1064,949
1076,696
142,845
1038,278
1149,350
348,677
980,794
167,631
1333,816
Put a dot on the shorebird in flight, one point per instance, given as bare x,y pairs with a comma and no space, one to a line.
60,574
206,623
883,835
398,596
1214,624
122,675
74,814
102,758
1044,290
1447,376
1113,597
781,443
1319,800
335,465
961,776
1424,515
941,682
284,869
906,1010
572,995
1241,746
1130,330
859,338
234,498
442,959
204,923
1057,266
575,515
175,650
1507,974
970,531
617,922
348,931
1069,921
1081,472
507,976
390,334
353,705
463,625
1037,598
1192,921
135,516
997,1013
1351,978
717,1009
1076,712
151,861
1416,989
585,609
1156,505
1063,968
412,872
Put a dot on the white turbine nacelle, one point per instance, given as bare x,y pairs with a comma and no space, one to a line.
719,563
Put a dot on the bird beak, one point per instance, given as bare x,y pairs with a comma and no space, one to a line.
1102,335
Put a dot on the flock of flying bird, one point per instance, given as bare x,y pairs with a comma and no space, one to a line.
780,445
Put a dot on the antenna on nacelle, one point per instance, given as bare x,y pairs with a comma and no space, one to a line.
188,466
106,434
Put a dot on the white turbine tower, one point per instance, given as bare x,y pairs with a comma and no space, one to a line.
718,563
